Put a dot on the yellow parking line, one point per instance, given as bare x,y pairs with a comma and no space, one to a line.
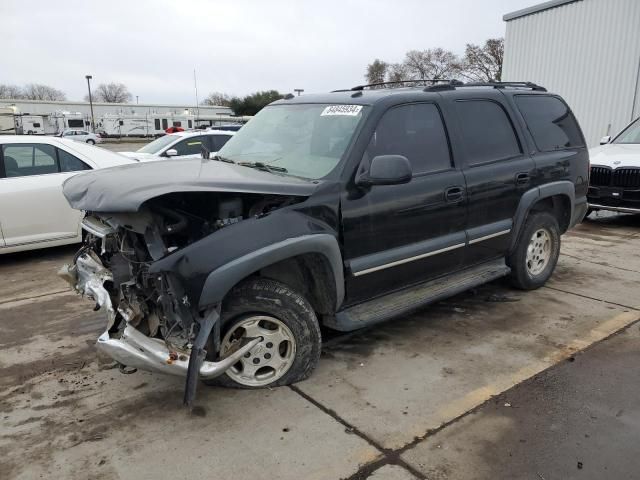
480,395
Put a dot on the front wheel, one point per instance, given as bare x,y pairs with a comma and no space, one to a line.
91,142
536,254
284,319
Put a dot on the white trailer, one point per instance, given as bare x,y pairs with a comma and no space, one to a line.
209,120
7,121
30,124
111,125
60,121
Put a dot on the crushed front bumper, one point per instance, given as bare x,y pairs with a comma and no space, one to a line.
132,348
136,350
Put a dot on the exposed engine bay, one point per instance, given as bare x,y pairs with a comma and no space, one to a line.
152,321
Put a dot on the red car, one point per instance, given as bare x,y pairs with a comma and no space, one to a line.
174,129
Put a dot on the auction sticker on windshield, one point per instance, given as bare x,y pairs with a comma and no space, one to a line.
348,110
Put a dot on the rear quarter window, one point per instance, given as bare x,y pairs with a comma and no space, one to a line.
551,123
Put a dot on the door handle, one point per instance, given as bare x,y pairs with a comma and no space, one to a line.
522,178
454,194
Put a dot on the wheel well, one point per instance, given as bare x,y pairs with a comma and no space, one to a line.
559,206
310,275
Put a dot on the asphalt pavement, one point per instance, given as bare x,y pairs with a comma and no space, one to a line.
492,383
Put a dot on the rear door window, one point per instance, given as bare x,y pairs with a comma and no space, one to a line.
551,123
22,160
415,131
487,130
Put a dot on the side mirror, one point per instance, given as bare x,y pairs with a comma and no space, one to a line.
172,152
604,140
386,170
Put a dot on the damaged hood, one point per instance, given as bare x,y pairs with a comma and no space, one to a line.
126,188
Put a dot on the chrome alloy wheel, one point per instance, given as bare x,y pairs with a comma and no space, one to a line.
269,360
538,252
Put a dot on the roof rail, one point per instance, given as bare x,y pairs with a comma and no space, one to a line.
439,84
396,82
529,85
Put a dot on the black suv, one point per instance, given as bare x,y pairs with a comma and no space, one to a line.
342,209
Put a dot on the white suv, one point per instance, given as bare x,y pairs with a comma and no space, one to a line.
182,145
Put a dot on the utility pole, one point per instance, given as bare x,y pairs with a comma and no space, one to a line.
136,99
298,90
89,77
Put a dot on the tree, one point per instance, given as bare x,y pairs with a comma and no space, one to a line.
432,63
484,63
217,98
11,92
397,72
252,104
111,93
376,71
38,91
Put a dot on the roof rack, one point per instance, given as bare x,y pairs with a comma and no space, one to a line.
433,81
453,84
439,84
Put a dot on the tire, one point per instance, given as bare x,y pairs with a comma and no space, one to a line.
91,142
532,263
270,304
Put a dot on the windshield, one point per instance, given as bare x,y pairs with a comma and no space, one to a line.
158,144
308,140
631,134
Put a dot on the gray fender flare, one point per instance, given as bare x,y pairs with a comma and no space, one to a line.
223,278
530,197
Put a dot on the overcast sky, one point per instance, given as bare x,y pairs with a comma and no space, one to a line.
236,47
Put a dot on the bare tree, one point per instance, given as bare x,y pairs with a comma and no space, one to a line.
432,63
12,92
217,98
111,93
37,91
484,63
376,71
398,72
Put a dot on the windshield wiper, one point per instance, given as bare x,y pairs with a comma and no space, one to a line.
263,166
222,159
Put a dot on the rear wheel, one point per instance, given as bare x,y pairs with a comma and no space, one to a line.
537,252
287,324
91,142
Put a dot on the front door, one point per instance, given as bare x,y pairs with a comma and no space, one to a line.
398,235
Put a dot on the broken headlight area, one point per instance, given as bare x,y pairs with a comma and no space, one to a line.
152,323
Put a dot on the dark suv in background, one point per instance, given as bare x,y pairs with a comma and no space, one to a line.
341,209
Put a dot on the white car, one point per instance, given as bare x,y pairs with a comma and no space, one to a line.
182,145
81,136
33,210
614,182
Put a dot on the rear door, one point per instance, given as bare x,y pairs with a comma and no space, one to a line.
497,170
32,206
398,235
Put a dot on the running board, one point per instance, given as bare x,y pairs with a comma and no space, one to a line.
404,301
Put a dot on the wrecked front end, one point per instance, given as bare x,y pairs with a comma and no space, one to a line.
154,320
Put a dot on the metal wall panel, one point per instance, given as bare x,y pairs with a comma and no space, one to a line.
587,51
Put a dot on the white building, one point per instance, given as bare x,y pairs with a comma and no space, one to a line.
588,51
40,107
